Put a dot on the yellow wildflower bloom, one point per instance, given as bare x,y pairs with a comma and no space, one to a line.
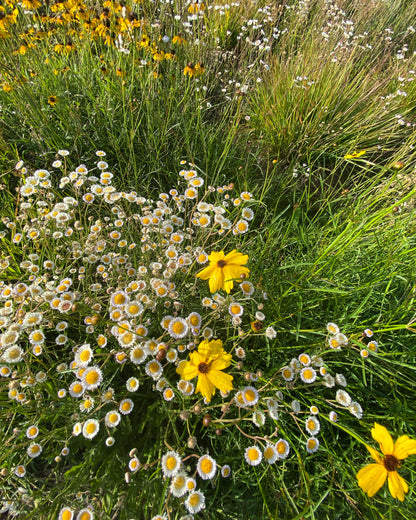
354,155
223,270
372,477
207,364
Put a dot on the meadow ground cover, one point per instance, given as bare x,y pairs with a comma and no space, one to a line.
207,271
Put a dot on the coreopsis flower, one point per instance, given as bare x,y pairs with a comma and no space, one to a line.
372,477
354,155
223,270
207,363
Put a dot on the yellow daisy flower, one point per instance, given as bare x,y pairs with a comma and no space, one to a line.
223,270
372,477
207,364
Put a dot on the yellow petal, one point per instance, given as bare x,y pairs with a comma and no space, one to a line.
404,447
204,349
228,285
371,478
374,453
383,437
216,281
234,272
215,348
236,258
397,485
207,272
220,380
205,386
214,257
187,370
221,363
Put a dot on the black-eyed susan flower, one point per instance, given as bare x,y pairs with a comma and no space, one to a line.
52,100
223,270
207,363
372,477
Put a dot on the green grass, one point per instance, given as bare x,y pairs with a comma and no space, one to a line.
286,95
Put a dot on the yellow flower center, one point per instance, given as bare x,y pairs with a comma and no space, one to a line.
66,515
268,453
91,428
178,327
194,500
311,424
307,374
253,454
194,321
206,466
92,378
250,396
85,355
281,447
171,463
77,388
119,299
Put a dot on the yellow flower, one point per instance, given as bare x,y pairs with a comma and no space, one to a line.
354,155
372,477
52,100
207,364
224,269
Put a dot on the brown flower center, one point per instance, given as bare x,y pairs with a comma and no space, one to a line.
221,263
391,463
203,368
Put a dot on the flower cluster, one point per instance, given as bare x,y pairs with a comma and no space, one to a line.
123,301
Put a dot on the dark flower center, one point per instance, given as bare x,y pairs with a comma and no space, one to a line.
257,325
391,463
221,263
203,368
